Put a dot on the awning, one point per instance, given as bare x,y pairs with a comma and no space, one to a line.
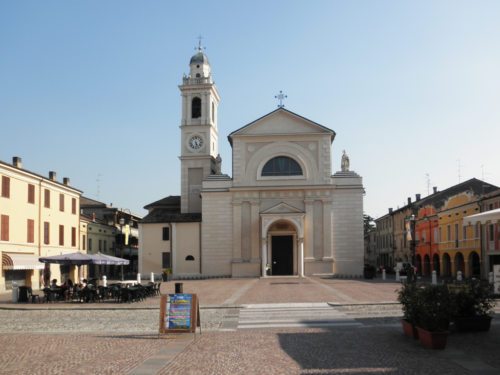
19,261
491,216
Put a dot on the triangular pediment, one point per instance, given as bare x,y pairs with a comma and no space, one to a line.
281,121
282,208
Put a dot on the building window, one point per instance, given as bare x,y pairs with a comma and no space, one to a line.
84,242
105,245
456,235
73,236
5,187
90,244
31,231
196,108
4,228
436,238
31,193
73,206
166,234
61,202
46,203
464,233
61,235
190,258
448,237
46,233
282,166
165,260
213,112
491,229
477,230
100,245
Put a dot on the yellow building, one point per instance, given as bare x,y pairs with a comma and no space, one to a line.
459,245
39,216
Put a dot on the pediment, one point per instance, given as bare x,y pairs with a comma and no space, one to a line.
282,208
282,121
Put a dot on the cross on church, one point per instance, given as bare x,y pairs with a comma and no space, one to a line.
281,97
199,48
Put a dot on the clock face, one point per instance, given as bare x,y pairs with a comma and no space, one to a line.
195,142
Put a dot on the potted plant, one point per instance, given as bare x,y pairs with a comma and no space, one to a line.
473,305
268,270
407,297
433,315
166,274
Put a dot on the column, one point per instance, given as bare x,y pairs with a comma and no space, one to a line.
308,230
327,229
301,257
254,240
236,231
264,256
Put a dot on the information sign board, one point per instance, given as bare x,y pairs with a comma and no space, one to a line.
179,313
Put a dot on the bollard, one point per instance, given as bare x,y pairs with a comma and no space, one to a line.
138,278
383,274
397,276
152,277
104,281
434,278
178,288
459,276
490,277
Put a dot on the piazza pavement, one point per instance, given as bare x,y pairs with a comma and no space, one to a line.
273,325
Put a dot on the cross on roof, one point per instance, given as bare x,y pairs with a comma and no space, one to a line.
200,47
281,97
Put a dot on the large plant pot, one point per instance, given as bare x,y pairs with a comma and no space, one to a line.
432,340
409,329
473,323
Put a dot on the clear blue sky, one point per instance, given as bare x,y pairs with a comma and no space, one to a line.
89,88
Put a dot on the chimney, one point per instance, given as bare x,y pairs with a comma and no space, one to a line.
435,189
52,175
409,200
17,162
66,180
417,197
390,210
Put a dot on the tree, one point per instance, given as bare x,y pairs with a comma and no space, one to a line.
368,224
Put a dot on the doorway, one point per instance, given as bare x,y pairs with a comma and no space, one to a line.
282,255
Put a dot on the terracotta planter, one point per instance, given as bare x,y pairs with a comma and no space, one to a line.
432,340
473,323
409,329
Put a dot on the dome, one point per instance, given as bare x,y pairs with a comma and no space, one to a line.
199,58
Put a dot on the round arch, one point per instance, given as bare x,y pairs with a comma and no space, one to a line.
474,264
459,263
426,270
435,264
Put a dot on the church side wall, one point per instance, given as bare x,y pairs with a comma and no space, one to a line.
347,210
186,248
151,248
217,233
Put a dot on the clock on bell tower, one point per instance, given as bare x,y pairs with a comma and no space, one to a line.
199,136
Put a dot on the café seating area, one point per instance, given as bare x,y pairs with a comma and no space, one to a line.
116,292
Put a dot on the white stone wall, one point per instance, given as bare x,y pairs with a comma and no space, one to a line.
217,233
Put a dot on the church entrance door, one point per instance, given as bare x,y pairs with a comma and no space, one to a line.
282,255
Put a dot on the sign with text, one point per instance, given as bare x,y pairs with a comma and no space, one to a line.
179,313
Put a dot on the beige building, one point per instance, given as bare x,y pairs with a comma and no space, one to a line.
39,216
281,213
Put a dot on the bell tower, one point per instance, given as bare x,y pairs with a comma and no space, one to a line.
199,136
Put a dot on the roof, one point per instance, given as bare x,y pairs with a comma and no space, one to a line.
87,202
172,201
161,215
199,58
281,109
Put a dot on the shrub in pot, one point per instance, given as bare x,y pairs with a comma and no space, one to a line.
407,296
472,306
369,271
433,311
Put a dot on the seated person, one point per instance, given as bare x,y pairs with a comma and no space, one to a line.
53,284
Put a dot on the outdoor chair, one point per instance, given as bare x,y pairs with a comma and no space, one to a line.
33,297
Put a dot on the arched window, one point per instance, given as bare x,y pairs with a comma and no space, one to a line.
190,257
196,108
282,166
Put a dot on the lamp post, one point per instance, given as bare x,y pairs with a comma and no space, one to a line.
121,222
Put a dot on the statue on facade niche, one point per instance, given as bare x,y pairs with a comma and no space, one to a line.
218,164
345,162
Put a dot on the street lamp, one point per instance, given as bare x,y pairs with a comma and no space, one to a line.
122,223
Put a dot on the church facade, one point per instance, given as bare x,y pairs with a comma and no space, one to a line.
282,212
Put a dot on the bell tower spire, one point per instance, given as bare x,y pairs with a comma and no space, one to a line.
199,136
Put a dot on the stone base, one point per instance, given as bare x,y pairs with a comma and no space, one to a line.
245,269
314,266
